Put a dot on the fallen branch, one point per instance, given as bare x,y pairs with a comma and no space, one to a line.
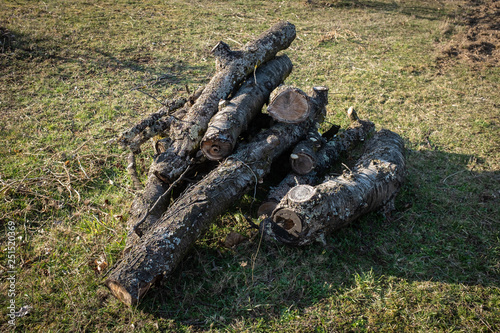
233,67
185,135
128,138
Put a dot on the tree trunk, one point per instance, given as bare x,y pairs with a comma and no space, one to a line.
307,213
357,132
226,126
233,67
164,245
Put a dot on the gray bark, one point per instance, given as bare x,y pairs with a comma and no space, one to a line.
186,134
150,126
233,67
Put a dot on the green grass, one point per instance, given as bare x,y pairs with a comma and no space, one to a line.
66,92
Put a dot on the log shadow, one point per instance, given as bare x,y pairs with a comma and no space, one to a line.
170,71
444,229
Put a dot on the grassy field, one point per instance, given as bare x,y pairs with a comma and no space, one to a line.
67,73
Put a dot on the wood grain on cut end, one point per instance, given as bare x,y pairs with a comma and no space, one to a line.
303,163
288,220
266,208
121,293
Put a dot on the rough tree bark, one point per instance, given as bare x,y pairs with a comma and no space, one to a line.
154,125
226,126
331,152
160,250
132,170
186,134
308,212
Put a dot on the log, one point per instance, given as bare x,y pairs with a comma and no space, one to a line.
357,132
307,213
303,158
291,105
186,134
227,125
164,245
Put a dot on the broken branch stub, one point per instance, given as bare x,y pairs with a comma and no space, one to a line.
165,243
233,118
307,213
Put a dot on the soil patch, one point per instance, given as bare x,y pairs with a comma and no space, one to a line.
6,40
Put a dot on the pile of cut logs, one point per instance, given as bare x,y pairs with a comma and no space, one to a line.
224,122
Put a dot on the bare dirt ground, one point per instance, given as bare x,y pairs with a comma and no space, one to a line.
479,43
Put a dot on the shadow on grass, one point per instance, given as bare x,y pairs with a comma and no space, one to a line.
158,69
444,229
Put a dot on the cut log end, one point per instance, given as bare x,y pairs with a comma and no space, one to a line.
288,220
302,163
301,193
320,93
216,149
290,105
